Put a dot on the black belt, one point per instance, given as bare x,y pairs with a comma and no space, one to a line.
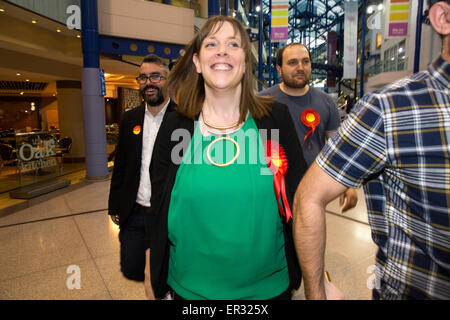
143,208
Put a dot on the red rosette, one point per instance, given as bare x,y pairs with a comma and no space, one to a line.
311,119
137,129
277,162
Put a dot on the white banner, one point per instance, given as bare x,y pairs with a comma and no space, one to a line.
350,39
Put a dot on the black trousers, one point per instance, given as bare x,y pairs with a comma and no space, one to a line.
132,249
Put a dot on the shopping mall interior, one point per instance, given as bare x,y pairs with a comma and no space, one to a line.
53,211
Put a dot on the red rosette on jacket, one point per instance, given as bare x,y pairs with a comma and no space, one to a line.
277,162
311,119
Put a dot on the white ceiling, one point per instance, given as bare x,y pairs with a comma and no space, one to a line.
39,53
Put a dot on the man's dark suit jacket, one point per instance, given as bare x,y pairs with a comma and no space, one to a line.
127,165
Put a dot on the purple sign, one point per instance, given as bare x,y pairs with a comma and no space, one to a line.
398,29
279,34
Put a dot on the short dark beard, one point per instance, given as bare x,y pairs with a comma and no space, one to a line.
294,84
152,101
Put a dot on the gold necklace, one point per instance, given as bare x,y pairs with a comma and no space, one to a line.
208,150
226,164
218,127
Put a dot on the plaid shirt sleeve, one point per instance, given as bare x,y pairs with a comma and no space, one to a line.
402,134
358,149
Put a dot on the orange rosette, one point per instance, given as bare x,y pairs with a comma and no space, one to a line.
277,162
311,119
137,129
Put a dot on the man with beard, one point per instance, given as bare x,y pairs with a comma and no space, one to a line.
315,115
129,196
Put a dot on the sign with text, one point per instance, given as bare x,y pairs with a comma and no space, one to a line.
397,18
102,83
279,21
37,154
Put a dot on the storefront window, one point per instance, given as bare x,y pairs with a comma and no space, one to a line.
395,58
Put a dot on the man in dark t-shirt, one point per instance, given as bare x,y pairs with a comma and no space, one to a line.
314,113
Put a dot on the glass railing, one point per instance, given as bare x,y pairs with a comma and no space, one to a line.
389,66
52,9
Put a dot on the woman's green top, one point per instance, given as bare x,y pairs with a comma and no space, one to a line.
225,232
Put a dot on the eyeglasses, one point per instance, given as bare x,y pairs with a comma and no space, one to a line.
153,77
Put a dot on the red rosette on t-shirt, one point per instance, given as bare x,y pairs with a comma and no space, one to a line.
311,119
277,162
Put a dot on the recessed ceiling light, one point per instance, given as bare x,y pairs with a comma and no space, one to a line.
2,10
57,30
27,80
78,36
21,93
18,74
33,21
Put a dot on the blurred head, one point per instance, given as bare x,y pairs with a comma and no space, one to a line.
439,15
152,77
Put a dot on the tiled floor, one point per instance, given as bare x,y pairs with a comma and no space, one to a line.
46,248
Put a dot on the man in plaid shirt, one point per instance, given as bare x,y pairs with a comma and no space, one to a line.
397,143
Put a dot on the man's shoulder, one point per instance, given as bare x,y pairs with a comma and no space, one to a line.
275,90
174,120
134,111
172,106
398,92
414,81
319,93
323,98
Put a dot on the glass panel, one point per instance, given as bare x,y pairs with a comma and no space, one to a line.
30,157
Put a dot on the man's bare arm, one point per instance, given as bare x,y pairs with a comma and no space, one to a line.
314,192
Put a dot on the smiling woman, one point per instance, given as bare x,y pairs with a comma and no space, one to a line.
215,230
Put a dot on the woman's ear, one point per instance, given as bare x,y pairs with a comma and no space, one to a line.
439,15
196,61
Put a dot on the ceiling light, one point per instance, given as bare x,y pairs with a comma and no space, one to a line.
78,36
27,80
21,93
18,74
2,10
57,30
33,21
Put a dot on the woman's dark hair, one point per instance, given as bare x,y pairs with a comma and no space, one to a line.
187,86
